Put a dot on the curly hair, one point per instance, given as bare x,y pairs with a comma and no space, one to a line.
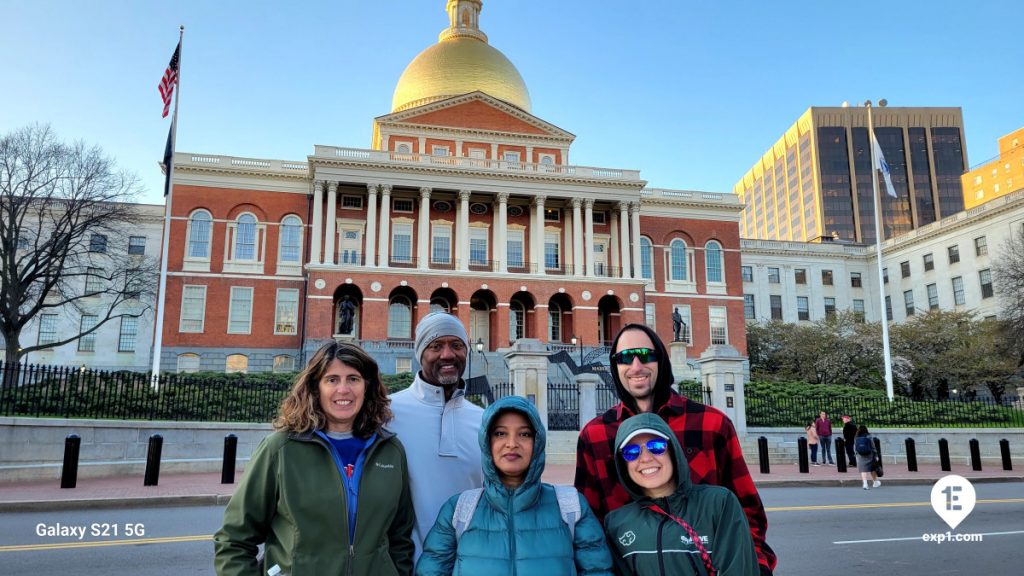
300,410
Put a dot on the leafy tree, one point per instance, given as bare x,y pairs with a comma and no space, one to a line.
64,222
1008,278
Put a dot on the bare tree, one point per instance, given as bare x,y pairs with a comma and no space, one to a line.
1008,277
64,226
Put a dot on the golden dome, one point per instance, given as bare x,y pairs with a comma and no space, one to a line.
461,62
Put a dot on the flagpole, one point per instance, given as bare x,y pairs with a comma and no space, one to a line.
158,338
878,252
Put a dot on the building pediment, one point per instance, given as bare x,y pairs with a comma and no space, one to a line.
476,111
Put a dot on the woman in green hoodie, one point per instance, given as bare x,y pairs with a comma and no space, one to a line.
673,526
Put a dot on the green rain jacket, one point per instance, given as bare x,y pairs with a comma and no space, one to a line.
647,543
293,498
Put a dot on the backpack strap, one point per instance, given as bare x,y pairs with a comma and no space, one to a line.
464,510
569,506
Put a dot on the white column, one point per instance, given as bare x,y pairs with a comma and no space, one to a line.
577,236
500,250
318,222
462,231
385,225
634,212
423,234
330,236
624,239
370,254
588,234
611,249
538,233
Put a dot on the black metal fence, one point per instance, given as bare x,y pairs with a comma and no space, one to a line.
775,411
563,406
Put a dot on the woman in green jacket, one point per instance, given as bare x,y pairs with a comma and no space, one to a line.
673,526
328,491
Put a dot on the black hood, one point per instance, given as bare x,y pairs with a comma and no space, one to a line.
662,387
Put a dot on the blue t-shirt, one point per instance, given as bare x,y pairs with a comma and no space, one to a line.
349,451
348,447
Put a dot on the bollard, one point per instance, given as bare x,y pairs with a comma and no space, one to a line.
1004,451
227,472
762,454
840,455
801,447
944,455
911,455
69,473
156,443
975,454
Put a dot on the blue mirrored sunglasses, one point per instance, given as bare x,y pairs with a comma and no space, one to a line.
644,354
655,446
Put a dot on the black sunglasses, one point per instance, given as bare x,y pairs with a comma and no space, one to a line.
644,354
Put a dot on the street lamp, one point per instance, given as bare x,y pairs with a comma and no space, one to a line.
579,341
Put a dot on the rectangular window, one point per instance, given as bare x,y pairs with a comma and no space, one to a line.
929,262
441,244
98,243
600,217
87,343
888,308
137,245
284,363
402,205
478,246
905,269
554,215
193,309
980,246
908,302
954,253
649,316
985,277
129,333
800,275
349,202
511,156
47,328
885,275
439,150
958,291
748,273
719,325
240,310
477,154
93,280
933,297
773,275
551,246
286,317
830,307
855,280
748,307
401,243
776,304
826,277
687,332
858,309
803,308
515,248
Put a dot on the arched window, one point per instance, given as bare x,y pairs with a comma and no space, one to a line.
400,318
199,228
439,305
554,322
245,238
236,363
677,260
516,321
291,239
646,259
188,363
713,261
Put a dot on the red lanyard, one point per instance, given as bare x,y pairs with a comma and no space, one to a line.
694,537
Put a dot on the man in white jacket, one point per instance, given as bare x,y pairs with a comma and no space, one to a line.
435,422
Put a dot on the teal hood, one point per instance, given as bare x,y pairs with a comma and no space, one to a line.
680,468
492,481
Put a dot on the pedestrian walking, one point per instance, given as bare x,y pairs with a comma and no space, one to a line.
849,437
867,458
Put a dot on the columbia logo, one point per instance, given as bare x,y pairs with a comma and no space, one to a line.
384,466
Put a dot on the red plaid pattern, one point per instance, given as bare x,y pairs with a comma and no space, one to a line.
712,450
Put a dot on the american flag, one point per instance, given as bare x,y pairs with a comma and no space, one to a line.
170,80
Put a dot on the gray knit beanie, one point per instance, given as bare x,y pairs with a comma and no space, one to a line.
436,325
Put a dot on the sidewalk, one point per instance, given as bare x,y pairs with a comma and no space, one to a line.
206,489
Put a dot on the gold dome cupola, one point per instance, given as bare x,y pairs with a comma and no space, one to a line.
461,62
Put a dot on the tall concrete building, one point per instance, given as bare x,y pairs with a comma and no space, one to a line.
1000,175
814,183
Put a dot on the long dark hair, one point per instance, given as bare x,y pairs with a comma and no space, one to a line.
862,430
300,410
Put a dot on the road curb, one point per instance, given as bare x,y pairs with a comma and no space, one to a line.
112,503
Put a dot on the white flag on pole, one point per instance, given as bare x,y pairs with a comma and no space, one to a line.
883,166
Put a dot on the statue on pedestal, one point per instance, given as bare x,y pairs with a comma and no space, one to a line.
346,313
678,326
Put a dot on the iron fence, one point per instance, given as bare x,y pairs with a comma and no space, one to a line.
774,411
563,406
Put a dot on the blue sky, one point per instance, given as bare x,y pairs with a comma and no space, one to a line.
689,93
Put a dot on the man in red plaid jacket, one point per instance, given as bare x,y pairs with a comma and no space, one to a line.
642,373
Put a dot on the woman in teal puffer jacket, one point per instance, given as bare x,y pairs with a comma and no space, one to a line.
517,527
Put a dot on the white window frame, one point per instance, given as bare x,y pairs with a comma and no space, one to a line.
396,202
646,259
87,342
403,365
280,325
279,363
133,243
710,249
441,238
47,326
293,266
553,239
959,298
516,236
407,303
478,235
516,321
193,263
401,229
650,315
554,322
236,299
803,308
511,156
687,284
94,281
440,150
182,319
130,332
749,307
356,200
254,265
718,322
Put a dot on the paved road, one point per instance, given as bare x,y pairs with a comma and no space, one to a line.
845,530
